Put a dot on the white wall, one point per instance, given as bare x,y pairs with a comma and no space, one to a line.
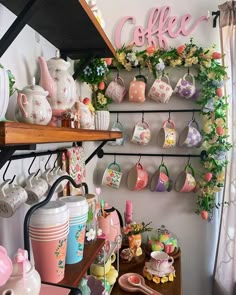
175,210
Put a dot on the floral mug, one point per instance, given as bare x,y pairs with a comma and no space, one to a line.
167,136
141,133
185,181
116,90
112,177
161,91
185,88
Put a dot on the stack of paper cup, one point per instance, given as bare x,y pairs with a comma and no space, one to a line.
78,208
48,230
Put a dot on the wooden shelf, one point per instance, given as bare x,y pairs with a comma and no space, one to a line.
69,25
13,133
75,272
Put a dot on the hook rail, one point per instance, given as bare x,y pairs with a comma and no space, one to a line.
102,153
155,111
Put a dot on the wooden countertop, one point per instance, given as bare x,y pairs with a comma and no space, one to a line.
169,288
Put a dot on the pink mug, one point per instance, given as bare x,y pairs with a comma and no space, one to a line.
137,89
137,178
185,181
161,91
116,90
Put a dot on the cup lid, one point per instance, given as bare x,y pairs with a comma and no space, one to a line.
75,201
52,207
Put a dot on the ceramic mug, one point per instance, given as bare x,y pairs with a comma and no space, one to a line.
99,270
185,181
167,136
137,89
160,181
185,88
51,175
117,126
190,136
112,177
11,198
137,178
161,261
36,188
141,133
116,90
161,91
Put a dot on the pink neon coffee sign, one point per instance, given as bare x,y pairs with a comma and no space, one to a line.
160,26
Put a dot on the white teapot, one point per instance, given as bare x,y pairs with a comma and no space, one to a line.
56,79
32,105
24,280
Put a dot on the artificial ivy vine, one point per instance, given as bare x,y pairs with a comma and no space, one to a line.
211,75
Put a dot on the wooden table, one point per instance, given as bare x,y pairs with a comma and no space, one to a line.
169,288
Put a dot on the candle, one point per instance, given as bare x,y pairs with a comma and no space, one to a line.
128,211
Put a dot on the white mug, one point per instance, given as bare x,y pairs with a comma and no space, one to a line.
36,188
11,197
161,261
51,175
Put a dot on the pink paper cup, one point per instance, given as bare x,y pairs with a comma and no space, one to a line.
49,257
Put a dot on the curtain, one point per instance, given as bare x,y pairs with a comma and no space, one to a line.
225,267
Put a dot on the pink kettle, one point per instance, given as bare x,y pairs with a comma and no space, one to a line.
5,266
116,224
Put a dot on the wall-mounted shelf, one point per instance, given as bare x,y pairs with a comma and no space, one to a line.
69,25
13,133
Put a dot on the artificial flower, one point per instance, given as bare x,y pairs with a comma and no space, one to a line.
90,235
181,49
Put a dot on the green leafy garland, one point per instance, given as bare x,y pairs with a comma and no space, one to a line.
211,75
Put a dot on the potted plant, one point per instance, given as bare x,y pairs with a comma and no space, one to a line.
7,89
133,233
94,73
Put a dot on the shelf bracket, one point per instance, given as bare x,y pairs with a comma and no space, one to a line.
8,151
95,152
17,26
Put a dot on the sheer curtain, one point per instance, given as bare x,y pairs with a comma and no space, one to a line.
225,267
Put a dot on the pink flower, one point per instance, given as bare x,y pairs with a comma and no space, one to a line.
150,49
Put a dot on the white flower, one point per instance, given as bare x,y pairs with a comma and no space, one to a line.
160,66
90,235
99,232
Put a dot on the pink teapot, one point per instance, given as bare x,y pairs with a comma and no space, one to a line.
32,105
57,80
24,278
5,266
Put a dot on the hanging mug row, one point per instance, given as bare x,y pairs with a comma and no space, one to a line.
12,195
167,137
160,181
160,90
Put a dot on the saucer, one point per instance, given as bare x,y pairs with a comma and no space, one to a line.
160,274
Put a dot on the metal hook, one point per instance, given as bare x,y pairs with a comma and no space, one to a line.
31,166
139,70
4,174
142,117
45,166
169,116
188,70
162,159
117,117
188,160
54,164
118,74
140,156
193,116
114,159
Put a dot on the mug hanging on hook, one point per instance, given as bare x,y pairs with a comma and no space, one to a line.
117,126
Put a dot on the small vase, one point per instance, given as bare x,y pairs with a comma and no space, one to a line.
102,120
135,242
